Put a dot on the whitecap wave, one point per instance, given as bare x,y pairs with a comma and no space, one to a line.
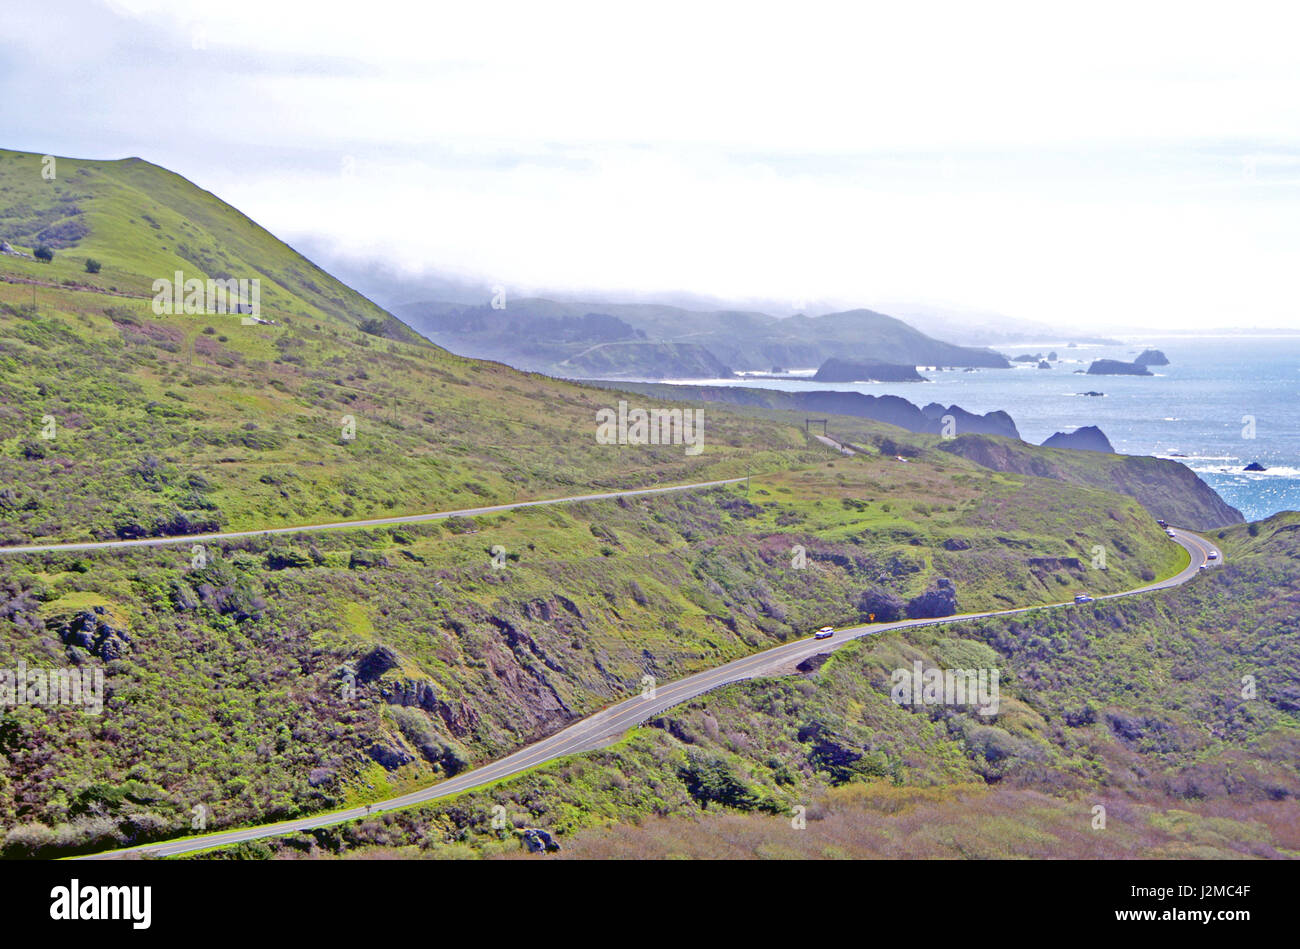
1281,471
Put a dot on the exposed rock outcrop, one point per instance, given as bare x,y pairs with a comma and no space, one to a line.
537,840
812,663
1116,367
390,755
375,663
1087,438
411,693
890,409
845,370
94,631
1151,357
939,600
990,423
881,606
1052,564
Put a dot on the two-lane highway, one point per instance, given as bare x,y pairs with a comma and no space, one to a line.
352,525
604,726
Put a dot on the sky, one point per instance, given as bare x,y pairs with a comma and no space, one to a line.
1099,168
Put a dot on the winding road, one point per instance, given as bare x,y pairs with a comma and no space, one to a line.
606,726
352,525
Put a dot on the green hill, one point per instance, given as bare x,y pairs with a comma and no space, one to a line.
271,676
557,337
144,223
1140,706
180,423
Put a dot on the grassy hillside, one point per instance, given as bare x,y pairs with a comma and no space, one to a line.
230,688
143,223
1168,489
278,676
1155,726
184,423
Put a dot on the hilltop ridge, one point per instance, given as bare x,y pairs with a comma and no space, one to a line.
559,337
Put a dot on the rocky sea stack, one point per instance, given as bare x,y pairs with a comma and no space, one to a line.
845,370
1151,357
1116,367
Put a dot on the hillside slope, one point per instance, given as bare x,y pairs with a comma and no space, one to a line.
143,223
116,421
287,675
269,676
1168,489
1155,727
547,336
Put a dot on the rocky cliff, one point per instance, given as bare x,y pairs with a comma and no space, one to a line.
1165,488
1087,438
890,409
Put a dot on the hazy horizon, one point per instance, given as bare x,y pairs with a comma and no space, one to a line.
953,160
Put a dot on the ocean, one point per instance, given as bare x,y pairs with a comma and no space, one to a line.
1222,403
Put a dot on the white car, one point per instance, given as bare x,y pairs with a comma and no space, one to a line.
1213,555
826,632
1170,533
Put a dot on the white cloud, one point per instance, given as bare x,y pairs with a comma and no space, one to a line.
1136,166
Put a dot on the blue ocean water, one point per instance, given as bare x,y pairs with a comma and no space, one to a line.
1222,403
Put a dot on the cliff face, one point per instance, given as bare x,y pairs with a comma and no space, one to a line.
996,422
1165,488
890,409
